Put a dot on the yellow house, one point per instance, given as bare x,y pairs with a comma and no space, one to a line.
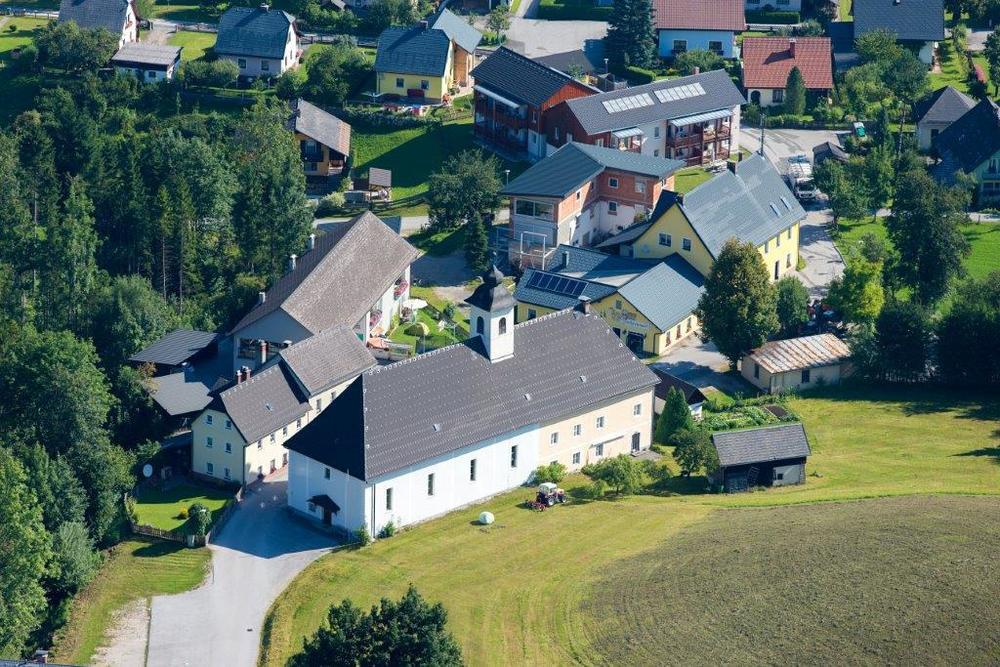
647,303
428,61
748,202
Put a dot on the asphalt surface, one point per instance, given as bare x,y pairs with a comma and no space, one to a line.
537,37
258,552
702,365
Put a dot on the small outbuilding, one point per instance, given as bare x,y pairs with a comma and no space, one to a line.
829,151
692,394
797,363
148,62
763,456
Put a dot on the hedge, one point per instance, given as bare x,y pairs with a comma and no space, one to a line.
771,16
638,76
572,10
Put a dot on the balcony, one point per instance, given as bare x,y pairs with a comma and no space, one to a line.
499,136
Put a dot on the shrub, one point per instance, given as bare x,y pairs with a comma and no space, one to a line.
330,204
771,16
705,61
658,472
554,472
362,536
183,514
199,518
638,75
417,329
695,452
75,561
621,473
388,530
217,74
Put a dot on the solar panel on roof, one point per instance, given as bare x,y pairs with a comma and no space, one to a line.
681,92
557,284
578,288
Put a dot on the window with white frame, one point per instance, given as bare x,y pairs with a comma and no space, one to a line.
229,425
612,208
577,429
265,65
666,240
284,431
637,409
553,438
225,473
599,449
636,440
576,458
612,182
210,468
274,438
229,448
686,244
640,187
208,442
600,422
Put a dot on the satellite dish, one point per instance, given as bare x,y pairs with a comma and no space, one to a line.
147,471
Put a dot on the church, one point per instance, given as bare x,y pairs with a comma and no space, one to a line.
417,439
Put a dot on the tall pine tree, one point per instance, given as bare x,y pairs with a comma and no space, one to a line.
631,39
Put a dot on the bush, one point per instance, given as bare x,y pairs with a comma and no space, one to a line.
199,519
704,61
377,117
621,473
417,329
75,561
330,204
771,16
215,74
183,514
554,472
695,452
573,10
362,536
638,75
388,530
658,472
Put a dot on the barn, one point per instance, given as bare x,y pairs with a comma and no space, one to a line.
763,456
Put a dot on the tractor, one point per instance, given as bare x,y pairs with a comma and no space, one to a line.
548,495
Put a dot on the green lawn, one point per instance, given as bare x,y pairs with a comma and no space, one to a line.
161,509
182,11
844,8
545,600
195,43
435,339
440,243
132,570
572,10
18,91
954,69
983,238
687,179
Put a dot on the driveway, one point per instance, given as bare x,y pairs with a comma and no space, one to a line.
817,249
538,37
259,551
702,365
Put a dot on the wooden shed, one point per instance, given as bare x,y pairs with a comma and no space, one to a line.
762,456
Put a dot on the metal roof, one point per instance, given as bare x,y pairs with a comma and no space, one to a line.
407,413
701,117
666,293
692,394
573,165
379,177
179,393
751,205
266,402
352,265
523,80
418,50
779,356
320,126
491,295
671,99
328,358
910,20
144,53
700,15
944,105
530,291
93,14
457,29
761,445
254,31
176,347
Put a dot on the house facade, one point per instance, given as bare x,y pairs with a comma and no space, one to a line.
917,25
699,25
263,42
749,202
767,62
147,62
556,388
513,99
579,195
971,145
695,119
356,275
797,363
324,140
936,112
648,304
119,17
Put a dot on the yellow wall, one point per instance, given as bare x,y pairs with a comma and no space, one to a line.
620,422
439,85
783,248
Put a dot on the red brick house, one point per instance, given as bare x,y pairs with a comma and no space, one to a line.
513,97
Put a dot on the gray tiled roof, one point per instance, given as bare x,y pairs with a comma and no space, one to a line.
573,165
352,265
557,301
412,51
328,358
944,105
751,205
761,445
252,31
94,14
667,382
401,415
720,93
969,141
779,356
320,125
179,393
265,403
143,53
458,30
667,293
917,20
175,348
519,78
590,264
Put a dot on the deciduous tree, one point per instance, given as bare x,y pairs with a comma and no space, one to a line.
737,309
992,53
858,294
968,352
792,305
694,451
621,473
467,184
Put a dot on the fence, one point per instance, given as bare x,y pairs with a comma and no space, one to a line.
178,534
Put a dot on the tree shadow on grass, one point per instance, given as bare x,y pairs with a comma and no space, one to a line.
917,399
157,549
993,452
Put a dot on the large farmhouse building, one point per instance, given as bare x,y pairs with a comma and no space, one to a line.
422,437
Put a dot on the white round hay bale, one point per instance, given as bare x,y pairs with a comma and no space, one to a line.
486,518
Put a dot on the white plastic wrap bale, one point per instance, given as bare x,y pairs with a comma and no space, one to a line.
486,518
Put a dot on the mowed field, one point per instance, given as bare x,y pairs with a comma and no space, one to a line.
550,588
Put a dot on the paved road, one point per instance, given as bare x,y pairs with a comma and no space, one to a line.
823,260
257,554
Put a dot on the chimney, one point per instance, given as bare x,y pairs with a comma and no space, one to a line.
584,305
791,47
565,257
731,166
291,262
265,7
423,25
239,376
312,241
696,70
261,297
246,373
263,352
